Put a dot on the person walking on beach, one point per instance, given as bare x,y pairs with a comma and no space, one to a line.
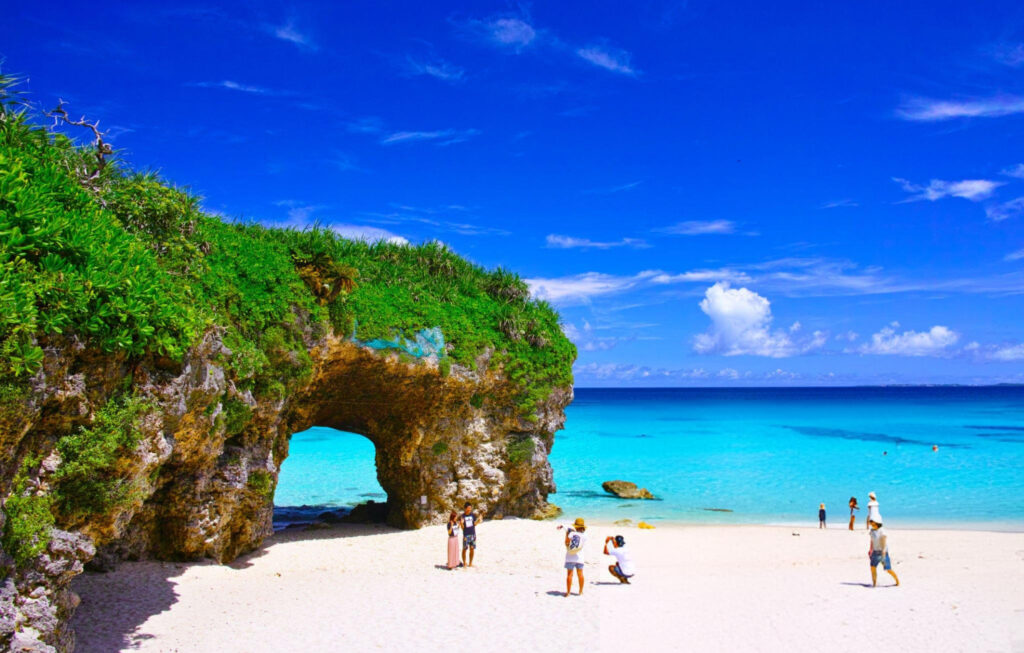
453,540
623,567
873,513
821,515
575,540
878,552
469,521
853,506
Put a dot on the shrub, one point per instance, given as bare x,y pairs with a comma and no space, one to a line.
89,479
29,520
237,416
261,481
520,450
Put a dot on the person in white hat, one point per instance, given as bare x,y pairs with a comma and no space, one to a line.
575,540
873,513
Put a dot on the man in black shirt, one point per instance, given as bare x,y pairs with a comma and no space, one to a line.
469,520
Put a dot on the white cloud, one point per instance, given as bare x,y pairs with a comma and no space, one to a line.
441,137
568,242
1014,256
849,336
611,59
438,69
701,276
1016,171
839,204
929,110
934,342
369,234
614,189
795,327
700,228
289,32
581,288
507,32
237,86
1006,210
968,189
1008,353
368,125
741,325
1011,54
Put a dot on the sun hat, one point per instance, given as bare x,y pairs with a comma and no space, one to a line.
871,495
579,523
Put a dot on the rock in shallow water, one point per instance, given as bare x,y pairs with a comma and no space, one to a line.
626,490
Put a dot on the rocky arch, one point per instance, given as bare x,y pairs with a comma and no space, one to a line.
198,492
440,440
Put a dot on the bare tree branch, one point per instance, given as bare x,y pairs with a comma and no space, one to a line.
102,148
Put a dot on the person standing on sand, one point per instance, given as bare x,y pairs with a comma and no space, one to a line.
853,506
469,521
453,540
873,513
575,540
623,567
821,515
878,552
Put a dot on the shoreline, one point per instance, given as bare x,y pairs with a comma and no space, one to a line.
910,525
707,587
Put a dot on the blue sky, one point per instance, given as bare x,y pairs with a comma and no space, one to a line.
711,193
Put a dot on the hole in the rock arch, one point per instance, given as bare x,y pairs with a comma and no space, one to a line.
328,473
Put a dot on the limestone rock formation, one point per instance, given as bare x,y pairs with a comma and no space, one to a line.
196,491
626,490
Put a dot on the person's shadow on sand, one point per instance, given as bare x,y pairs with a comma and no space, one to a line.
858,584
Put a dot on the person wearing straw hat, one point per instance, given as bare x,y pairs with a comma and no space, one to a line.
874,515
575,540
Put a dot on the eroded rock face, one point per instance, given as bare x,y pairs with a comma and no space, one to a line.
202,493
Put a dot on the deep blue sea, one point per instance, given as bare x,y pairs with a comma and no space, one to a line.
768,455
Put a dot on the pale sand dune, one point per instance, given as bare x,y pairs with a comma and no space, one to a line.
699,588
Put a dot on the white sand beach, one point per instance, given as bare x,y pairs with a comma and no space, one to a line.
699,588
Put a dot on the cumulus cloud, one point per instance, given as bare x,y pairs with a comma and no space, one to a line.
611,59
699,228
741,325
968,189
556,241
934,342
1006,210
929,110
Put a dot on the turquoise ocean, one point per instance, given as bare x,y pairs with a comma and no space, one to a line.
768,455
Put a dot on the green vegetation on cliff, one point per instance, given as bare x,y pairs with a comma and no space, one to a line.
132,266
